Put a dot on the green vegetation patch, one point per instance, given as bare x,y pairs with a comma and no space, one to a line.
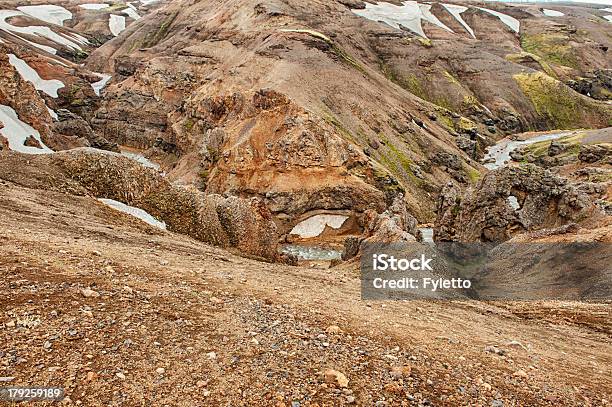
525,56
553,47
554,102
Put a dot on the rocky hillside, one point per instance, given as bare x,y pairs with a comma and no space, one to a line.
317,107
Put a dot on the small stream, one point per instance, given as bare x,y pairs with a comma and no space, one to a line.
500,152
312,252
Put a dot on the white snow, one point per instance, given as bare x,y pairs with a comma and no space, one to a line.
147,2
552,13
315,225
511,22
94,6
427,15
609,9
513,202
34,30
133,211
407,15
98,86
116,24
455,11
130,12
49,13
16,132
52,113
50,87
609,18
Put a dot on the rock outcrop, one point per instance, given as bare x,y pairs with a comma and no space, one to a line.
509,201
243,224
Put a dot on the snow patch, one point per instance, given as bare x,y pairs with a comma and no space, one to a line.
408,15
552,13
130,12
35,30
94,6
456,11
16,132
98,86
315,225
52,113
133,211
511,22
116,24
609,18
48,13
50,87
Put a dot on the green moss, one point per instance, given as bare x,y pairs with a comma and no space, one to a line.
464,124
154,38
473,174
553,47
525,56
425,42
558,105
188,124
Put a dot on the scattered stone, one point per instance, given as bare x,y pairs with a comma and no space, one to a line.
520,373
160,370
89,293
335,377
120,375
211,355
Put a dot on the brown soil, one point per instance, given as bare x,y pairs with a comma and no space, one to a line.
167,301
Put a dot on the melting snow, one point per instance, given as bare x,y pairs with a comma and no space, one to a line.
511,22
34,30
116,24
48,13
94,6
315,225
16,132
427,15
98,86
513,202
609,18
136,212
52,113
131,13
407,15
552,13
50,87
456,11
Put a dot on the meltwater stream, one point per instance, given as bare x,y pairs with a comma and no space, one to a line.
500,152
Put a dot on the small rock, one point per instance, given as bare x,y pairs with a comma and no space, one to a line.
89,293
520,373
332,376
120,375
91,376
211,355
160,370
333,329
10,324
